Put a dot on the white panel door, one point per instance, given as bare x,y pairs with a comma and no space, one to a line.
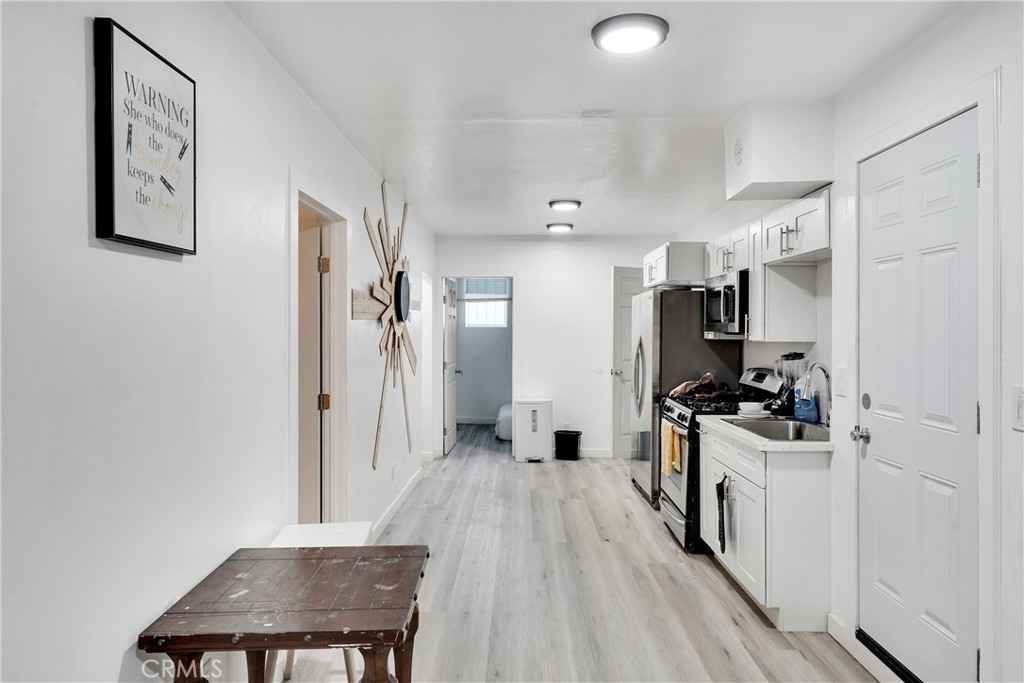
918,507
448,367
627,283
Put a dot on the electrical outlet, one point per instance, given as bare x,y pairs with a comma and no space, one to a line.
1017,407
565,425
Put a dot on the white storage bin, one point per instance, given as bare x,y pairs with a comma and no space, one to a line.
532,433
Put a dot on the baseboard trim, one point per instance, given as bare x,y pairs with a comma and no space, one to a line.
475,420
595,453
848,640
392,509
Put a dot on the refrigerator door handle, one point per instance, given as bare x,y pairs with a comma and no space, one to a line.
639,377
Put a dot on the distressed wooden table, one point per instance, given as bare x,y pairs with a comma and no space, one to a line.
264,599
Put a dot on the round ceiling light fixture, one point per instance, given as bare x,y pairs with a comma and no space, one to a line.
565,204
559,227
628,34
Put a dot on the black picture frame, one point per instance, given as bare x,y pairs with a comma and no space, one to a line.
145,144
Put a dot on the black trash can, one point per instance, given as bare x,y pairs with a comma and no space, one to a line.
567,444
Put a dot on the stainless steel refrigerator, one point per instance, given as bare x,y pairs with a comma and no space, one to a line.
668,349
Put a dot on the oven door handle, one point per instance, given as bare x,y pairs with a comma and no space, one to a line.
667,509
678,430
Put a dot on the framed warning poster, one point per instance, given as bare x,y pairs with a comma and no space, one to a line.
145,144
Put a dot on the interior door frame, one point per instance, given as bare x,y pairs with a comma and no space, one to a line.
517,317
449,285
983,94
307,191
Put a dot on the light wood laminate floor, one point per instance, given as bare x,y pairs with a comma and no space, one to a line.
559,571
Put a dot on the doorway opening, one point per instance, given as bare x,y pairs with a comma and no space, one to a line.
318,340
478,335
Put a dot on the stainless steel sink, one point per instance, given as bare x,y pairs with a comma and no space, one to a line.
783,430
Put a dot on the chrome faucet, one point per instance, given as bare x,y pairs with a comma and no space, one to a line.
827,414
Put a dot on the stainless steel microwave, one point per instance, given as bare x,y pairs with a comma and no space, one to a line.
725,305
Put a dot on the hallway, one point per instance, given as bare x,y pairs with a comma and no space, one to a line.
560,572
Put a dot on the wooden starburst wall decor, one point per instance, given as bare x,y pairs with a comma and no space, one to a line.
388,301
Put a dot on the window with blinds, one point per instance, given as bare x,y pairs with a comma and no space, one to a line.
486,301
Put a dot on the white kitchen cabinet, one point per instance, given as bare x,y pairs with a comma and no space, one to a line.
675,263
744,523
776,513
781,299
729,252
798,232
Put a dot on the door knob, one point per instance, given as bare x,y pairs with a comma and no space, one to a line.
860,434
616,372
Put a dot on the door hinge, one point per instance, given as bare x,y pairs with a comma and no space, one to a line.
979,169
323,402
446,431
323,264
979,416
444,298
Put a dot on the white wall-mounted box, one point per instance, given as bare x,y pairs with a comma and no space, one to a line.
779,150
532,431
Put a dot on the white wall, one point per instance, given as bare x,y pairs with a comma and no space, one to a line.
562,339
484,354
969,45
145,396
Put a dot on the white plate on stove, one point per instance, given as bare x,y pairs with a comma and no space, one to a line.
763,413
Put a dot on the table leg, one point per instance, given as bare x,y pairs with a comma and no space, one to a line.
256,662
403,652
188,667
350,665
375,664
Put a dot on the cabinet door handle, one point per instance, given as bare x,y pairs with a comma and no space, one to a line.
782,239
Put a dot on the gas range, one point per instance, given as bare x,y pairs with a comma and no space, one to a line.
682,409
680,492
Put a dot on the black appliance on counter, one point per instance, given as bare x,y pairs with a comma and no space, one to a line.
680,490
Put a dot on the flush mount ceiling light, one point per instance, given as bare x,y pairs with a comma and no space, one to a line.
628,34
559,227
565,204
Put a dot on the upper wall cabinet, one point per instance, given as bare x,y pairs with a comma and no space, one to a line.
779,150
729,253
798,232
675,264
781,299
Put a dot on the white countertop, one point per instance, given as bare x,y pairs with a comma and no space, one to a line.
718,425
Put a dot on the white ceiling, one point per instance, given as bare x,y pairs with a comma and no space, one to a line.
480,112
